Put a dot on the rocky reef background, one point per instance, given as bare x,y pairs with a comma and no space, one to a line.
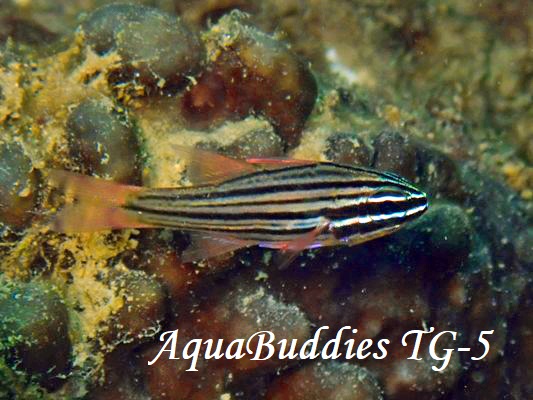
439,92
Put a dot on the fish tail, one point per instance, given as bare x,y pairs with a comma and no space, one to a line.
97,204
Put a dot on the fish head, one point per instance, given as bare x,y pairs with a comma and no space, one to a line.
394,203
382,211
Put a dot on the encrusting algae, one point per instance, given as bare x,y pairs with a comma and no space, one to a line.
426,92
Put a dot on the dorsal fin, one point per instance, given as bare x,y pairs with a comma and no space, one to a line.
205,167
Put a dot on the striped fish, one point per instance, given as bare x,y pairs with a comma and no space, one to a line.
281,204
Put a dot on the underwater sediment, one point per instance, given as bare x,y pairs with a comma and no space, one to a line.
439,94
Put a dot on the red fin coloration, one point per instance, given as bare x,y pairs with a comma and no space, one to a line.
86,188
97,204
205,167
276,162
289,251
205,246
87,217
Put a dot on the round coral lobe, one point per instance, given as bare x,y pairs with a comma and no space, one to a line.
254,75
155,47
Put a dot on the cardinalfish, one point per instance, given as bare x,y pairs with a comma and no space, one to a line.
283,204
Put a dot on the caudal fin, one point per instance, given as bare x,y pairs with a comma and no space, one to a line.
96,204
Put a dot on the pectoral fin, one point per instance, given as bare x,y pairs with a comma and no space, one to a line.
290,250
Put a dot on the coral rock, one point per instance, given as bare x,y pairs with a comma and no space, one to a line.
395,153
250,72
155,47
18,180
524,248
325,381
445,233
168,379
102,142
143,310
348,148
34,326
259,143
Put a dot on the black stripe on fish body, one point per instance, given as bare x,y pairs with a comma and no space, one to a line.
304,177
290,222
379,217
271,203
245,232
304,207
319,174
255,206
162,199
288,205
236,225
224,192
228,192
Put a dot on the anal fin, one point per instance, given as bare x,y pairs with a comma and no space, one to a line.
204,246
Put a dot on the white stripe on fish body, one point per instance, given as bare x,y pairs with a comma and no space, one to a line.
270,206
281,204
